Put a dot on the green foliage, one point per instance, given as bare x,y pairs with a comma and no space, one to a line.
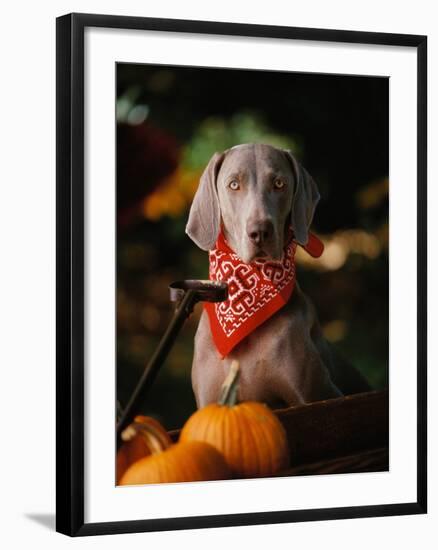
218,133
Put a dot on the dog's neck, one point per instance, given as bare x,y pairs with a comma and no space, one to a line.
255,292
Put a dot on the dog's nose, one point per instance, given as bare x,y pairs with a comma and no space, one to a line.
259,232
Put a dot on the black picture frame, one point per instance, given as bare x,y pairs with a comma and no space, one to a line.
70,272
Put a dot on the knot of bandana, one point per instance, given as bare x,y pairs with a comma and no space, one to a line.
255,291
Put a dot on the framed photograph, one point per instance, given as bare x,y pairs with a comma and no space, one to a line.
241,274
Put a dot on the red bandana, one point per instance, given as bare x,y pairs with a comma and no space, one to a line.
255,291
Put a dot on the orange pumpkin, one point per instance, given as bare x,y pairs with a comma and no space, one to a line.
190,461
143,437
249,435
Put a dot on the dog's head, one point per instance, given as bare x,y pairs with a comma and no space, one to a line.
255,193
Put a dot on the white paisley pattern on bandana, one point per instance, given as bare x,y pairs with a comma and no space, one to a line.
255,292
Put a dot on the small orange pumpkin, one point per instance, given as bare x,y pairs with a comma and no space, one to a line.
189,461
249,435
143,437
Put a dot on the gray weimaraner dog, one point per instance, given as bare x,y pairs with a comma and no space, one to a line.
255,193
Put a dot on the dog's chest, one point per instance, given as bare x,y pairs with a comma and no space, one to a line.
269,357
266,358
267,342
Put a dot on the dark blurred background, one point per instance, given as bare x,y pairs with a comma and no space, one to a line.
170,120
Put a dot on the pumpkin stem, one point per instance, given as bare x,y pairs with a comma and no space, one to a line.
154,437
228,395
128,433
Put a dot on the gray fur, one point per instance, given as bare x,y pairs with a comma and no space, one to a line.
204,218
286,360
304,203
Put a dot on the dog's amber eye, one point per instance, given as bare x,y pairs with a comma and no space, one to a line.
234,185
278,183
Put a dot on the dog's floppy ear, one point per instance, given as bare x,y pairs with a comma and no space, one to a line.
304,201
204,218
